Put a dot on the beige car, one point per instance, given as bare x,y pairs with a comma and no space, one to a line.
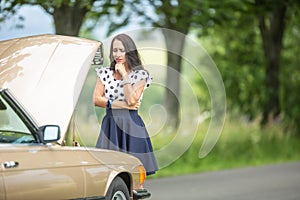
40,82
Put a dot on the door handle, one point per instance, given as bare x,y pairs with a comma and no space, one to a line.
10,164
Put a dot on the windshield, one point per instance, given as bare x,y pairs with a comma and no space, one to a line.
12,128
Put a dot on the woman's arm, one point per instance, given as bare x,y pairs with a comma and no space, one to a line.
101,101
122,104
132,93
98,97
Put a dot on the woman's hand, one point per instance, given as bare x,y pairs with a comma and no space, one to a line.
135,106
123,105
132,92
119,67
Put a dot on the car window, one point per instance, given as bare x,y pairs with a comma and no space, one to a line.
12,128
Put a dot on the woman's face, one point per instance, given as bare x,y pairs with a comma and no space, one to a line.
119,52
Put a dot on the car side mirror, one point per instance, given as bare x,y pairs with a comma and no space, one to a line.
50,133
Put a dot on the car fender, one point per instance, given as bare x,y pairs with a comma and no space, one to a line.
124,175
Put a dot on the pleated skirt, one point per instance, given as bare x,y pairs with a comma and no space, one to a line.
124,130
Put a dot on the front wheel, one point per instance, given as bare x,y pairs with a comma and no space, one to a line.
117,190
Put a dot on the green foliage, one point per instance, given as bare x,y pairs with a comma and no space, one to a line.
236,47
72,15
241,144
290,77
229,31
238,56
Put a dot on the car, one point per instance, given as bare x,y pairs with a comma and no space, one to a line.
41,78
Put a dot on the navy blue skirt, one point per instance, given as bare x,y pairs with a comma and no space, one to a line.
124,130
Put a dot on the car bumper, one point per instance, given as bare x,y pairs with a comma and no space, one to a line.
141,194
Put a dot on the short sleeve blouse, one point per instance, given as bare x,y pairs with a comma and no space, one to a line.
114,88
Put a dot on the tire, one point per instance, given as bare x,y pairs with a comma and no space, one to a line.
117,190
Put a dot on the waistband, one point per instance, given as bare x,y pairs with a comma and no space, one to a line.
121,112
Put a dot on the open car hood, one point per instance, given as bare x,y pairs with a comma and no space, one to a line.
46,73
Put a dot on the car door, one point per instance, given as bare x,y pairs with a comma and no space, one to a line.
41,172
2,191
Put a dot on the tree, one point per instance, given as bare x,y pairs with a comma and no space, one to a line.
68,15
254,47
290,76
235,46
271,22
272,19
178,16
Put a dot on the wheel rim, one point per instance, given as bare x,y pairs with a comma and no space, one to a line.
119,195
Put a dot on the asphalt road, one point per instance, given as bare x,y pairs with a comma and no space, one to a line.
275,182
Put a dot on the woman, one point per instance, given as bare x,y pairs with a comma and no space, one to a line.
119,89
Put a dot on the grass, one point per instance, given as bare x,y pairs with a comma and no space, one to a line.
241,144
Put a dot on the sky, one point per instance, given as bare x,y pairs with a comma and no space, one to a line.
36,22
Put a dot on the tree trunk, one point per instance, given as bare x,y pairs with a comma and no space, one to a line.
272,30
68,19
175,44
